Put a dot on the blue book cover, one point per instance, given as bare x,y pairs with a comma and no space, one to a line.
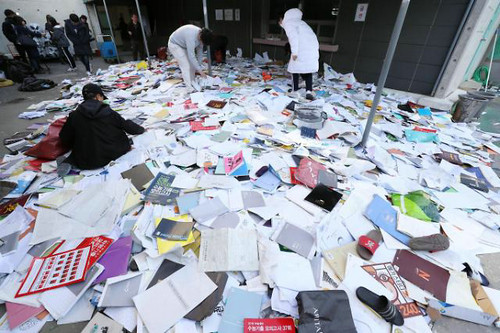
240,304
381,213
269,182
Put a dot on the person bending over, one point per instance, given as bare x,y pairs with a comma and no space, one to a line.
9,31
95,133
218,49
183,43
304,47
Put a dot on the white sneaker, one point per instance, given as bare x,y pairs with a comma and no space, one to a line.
71,69
89,73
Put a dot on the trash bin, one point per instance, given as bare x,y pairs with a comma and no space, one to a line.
468,108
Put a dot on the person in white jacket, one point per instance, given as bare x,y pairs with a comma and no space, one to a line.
304,47
183,44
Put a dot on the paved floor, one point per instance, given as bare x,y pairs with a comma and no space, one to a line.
13,102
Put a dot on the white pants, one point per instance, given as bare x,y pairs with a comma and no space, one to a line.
180,54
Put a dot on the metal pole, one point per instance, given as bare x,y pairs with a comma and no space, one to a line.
491,59
209,56
111,30
143,31
385,68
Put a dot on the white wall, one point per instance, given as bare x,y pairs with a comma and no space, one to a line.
34,11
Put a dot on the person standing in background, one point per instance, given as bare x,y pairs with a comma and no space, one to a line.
186,45
59,39
49,27
79,35
123,28
304,48
136,41
25,38
10,33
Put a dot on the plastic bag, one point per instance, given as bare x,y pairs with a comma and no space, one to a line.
51,146
325,311
416,204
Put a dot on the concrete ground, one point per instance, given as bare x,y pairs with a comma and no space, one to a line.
14,102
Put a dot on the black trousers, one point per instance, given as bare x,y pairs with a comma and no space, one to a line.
308,77
137,48
85,60
34,57
22,52
67,56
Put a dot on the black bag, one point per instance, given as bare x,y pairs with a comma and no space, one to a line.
34,84
17,71
325,312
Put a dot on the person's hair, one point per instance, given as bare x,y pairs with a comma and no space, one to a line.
83,17
52,20
134,14
9,12
90,95
206,36
74,18
18,20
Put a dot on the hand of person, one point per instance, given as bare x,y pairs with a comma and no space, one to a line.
130,33
294,57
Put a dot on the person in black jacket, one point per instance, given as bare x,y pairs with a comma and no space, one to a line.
136,40
218,49
95,133
10,33
25,38
60,40
79,35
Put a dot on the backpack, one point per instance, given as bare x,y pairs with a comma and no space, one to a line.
17,70
34,84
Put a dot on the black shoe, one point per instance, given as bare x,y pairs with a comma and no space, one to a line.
381,305
309,96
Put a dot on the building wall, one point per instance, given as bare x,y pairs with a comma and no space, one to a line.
239,33
34,11
427,35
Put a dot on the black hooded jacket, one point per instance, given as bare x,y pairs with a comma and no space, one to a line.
79,35
8,30
96,135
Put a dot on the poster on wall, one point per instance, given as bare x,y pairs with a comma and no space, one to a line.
361,12
237,14
228,14
219,15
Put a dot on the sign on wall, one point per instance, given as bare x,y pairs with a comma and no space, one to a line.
237,14
361,12
228,14
219,14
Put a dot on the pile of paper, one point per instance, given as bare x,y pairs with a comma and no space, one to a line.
225,214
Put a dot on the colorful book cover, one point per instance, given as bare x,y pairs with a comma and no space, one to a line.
161,191
233,163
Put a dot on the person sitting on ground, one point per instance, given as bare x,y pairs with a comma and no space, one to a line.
10,33
79,35
25,38
218,49
183,43
95,133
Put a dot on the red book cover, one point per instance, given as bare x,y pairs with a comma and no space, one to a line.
282,325
198,126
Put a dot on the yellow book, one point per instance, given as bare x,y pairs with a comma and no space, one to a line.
164,245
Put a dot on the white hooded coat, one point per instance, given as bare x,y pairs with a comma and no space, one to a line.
303,43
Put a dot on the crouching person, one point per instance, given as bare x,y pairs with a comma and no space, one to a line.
95,133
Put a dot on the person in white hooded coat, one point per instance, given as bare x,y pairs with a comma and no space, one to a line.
304,46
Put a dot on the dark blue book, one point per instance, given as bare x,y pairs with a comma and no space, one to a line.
160,191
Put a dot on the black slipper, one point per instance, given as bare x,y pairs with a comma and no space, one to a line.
381,305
